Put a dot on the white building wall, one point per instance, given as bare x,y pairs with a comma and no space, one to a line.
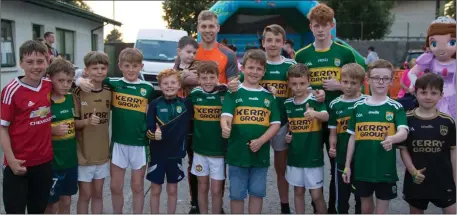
25,14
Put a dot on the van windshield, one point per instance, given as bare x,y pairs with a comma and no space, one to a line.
157,50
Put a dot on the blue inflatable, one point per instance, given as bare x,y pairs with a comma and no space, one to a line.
230,11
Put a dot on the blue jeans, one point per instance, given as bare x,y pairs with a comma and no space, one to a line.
247,179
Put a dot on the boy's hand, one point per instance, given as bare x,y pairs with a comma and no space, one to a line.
288,137
86,85
331,84
94,119
320,95
190,77
387,143
226,132
158,133
255,145
418,176
332,152
347,175
61,129
233,84
16,166
310,112
272,89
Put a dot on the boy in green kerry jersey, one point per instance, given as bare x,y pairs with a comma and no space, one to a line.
324,59
340,110
65,162
250,118
208,145
305,160
129,145
376,123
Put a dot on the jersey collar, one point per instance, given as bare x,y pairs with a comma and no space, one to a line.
130,82
352,100
304,101
374,105
276,63
251,89
36,89
322,50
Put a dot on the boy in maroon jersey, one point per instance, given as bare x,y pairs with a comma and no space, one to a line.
25,134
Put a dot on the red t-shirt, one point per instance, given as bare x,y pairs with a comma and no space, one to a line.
26,111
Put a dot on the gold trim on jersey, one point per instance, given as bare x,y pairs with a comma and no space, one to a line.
129,102
342,124
374,130
207,113
304,125
318,75
251,115
281,87
71,131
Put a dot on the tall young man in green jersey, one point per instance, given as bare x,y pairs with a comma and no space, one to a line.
65,162
250,118
324,59
305,162
129,147
340,110
376,124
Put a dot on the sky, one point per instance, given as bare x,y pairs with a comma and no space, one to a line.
133,15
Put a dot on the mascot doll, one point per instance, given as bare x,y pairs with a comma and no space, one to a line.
439,58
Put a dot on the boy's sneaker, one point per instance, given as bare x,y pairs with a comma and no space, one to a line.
194,210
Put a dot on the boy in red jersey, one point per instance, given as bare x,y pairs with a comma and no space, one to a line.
25,134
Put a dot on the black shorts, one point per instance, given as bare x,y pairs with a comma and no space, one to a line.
422,204
382,190
171,168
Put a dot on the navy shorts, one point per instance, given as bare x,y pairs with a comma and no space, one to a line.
64,183
158,169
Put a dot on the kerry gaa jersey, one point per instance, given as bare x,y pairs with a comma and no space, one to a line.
129,105
305,150
253,111
324,64
64,147
276,76
207,137
340,111
369,123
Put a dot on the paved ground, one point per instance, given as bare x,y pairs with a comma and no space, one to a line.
270,206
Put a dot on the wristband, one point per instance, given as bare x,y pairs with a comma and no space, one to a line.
345,171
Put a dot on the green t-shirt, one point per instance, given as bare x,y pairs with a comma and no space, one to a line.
64,147
276,76
323,64
369,123
306,148
129,107
253,111
340,111
207,137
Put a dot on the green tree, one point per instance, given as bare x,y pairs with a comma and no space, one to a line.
78,3
114,36
450,9
181,14
362,19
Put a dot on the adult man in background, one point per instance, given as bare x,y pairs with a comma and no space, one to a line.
372,55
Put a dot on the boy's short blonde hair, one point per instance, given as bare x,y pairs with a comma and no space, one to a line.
167,73
208,67
256,55
322,14
381,64
206,15
131,55
96,57
59,65
354,71
275,29
297,71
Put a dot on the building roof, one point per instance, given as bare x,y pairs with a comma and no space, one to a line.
73,10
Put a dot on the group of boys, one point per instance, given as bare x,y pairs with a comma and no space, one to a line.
55,136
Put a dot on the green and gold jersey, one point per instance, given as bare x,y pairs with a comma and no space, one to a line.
64,147
276,76
306,148
253,111
207,137
370,123
325,64
340,111
129,107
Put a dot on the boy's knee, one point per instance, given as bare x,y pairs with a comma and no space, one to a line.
137,187
172,190
299,192
97,195
117,189
216,191
156,189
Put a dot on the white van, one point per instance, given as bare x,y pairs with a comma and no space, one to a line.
159,48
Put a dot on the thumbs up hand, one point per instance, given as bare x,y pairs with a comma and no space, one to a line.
310,112
158,133
233,84
331,84
94,119
418,176
320,95
387,143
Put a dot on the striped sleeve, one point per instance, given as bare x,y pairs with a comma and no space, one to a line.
7,106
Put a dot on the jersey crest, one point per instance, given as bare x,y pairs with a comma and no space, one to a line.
337,62
389,116
267,102
443,130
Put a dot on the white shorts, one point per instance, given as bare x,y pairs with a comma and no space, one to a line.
212,166
125,156
91,172
278,142
309,178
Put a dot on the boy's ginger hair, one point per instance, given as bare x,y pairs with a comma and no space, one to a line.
96,57
131,55
208,67
381,64
275,29
322,14
354,71
167,73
